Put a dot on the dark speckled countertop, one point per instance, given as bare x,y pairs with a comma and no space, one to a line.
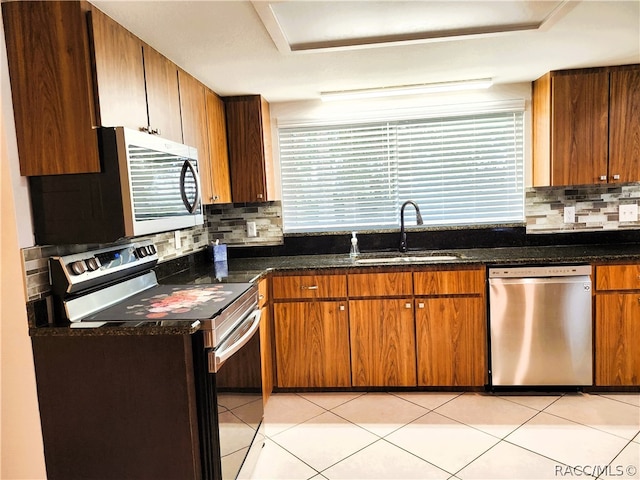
251,269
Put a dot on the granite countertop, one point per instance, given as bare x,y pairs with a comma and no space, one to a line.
254,268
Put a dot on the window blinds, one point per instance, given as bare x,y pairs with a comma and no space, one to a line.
460,170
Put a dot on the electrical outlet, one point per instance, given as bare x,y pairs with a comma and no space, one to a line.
177,239
569,214
628,212
251,229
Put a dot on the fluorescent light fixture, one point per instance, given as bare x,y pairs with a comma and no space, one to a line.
407,90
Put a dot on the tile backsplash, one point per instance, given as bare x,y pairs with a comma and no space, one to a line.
596,208
228,223
224,222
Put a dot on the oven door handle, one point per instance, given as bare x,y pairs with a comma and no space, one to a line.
219,357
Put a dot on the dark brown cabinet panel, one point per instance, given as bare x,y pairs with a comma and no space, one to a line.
624,125
51,86
579,132
383,344
249,141
312,344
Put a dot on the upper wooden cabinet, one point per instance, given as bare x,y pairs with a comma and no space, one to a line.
585,125
218,153
136,87
51,87
624,124
250,155
163,96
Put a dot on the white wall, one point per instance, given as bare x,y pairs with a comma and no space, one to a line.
22,455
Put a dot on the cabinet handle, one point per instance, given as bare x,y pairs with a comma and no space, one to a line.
311,287
259,196
342,307
261,297
616,177
407,305
603,178
421,305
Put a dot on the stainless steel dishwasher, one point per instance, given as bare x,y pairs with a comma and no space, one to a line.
540,325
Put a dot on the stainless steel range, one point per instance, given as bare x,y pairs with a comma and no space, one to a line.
116,287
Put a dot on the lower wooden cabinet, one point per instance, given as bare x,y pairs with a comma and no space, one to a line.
312,344
451,339
383,344
617,335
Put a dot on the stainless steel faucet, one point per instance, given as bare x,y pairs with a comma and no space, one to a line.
403,235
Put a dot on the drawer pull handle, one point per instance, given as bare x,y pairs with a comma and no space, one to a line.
421,305
311,287
407,305
342,307
261,297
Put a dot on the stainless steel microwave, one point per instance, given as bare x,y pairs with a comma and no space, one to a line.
147,185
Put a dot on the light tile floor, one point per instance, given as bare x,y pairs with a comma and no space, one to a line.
457,436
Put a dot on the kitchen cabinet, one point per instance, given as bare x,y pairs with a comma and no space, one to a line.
250,155
617,325
52,92
450,327
136,86
193,104
266,335
218,153
382,330
585,125
624,124
311,329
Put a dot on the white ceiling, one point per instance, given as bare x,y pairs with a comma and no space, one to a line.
236,47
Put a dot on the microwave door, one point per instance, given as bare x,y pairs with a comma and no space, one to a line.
163,183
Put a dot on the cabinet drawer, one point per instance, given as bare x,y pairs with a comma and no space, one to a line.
449,282
309,286
618,277
380,284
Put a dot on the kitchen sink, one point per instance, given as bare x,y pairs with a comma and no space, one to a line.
407,258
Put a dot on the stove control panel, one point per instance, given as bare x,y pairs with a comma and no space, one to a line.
80,271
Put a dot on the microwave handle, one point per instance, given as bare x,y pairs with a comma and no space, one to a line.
187,165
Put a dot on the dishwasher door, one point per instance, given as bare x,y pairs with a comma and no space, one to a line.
541,330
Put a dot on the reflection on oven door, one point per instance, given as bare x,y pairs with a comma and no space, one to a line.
240,408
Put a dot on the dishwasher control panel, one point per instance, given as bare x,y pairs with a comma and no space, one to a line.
540,271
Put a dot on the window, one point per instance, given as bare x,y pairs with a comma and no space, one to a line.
464,169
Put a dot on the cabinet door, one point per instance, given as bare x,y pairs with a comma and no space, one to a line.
617,332
119,74
194,126
579,128
51,87
312,344
624,126
246,148
451,338
383,347
217,128
163,97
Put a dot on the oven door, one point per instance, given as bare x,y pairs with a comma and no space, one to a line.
234,406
